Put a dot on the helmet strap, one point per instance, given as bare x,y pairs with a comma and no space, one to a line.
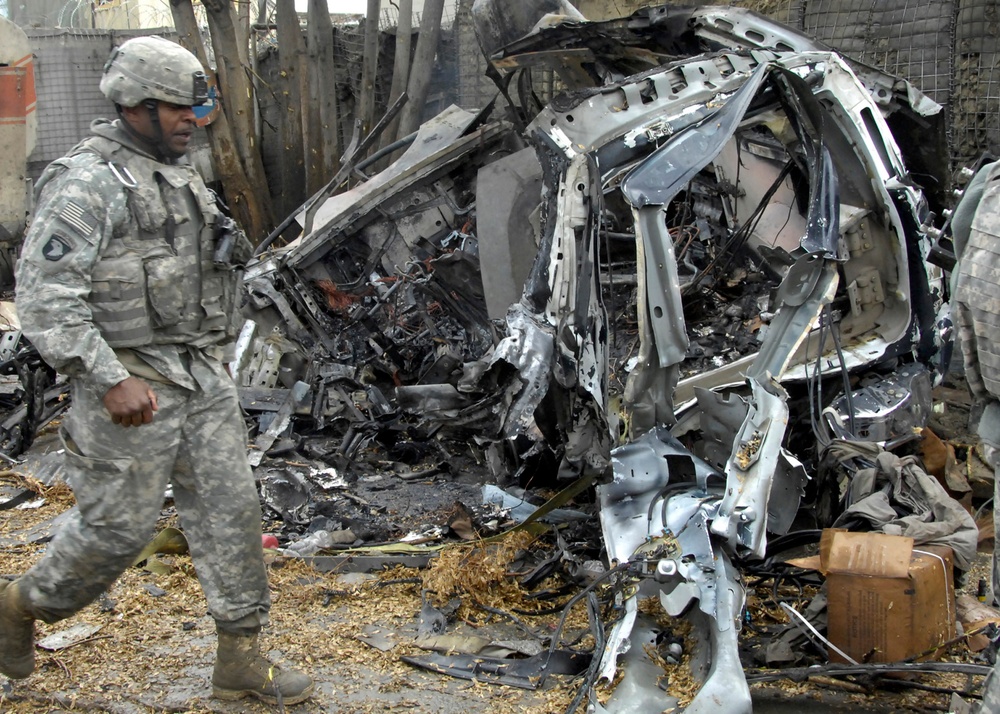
153,107
152,144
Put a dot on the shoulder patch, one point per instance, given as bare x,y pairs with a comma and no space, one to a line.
57,247
78,218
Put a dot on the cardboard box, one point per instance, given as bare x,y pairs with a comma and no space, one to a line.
887,601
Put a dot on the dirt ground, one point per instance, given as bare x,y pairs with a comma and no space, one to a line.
151,649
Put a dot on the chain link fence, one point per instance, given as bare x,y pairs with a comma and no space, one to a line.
975,94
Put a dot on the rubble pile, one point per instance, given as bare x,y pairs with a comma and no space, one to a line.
651,353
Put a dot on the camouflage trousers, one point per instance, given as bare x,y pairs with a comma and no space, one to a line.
197,443
987,432
991,692
989,435
993,454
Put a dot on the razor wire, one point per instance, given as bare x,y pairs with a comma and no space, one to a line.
949,49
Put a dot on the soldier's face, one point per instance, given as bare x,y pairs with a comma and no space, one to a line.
176,123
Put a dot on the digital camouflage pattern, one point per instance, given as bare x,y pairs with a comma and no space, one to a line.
991,692
977,310
116,279
977,292
153,68
106,265
195,442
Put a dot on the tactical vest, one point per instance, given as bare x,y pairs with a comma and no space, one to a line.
156,282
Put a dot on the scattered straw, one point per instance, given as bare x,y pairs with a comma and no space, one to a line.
58,493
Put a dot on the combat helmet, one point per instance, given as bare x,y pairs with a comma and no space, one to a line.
145,68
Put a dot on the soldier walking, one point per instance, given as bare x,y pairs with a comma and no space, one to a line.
119,287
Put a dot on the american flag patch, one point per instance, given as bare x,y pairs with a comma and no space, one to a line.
78,218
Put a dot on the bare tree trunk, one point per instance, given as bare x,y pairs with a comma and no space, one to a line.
423,66
243,25
237,95
401,66
289,91
366,105
323,147
250,206
258,124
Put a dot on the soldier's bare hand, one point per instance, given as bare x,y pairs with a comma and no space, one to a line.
131,402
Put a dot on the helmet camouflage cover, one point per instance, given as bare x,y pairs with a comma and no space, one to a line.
153,68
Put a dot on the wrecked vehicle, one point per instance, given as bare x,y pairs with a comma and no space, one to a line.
32,394
709,258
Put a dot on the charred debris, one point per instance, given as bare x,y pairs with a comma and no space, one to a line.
690,279
697,280
714,215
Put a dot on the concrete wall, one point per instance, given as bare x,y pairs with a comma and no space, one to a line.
18,125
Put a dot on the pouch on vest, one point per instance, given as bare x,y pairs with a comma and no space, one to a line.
118,301
165,277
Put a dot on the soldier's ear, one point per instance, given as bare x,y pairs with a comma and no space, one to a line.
130,114
138,120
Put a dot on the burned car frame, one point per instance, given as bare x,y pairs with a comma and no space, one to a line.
728,274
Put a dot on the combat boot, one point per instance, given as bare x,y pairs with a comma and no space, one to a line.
241,671
17,633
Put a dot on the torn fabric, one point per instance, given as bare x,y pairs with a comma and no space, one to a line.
899,485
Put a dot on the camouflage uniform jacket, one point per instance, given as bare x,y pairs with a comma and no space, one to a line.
977,292
116,274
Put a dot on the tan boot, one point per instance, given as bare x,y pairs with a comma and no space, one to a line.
241,671
17,633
